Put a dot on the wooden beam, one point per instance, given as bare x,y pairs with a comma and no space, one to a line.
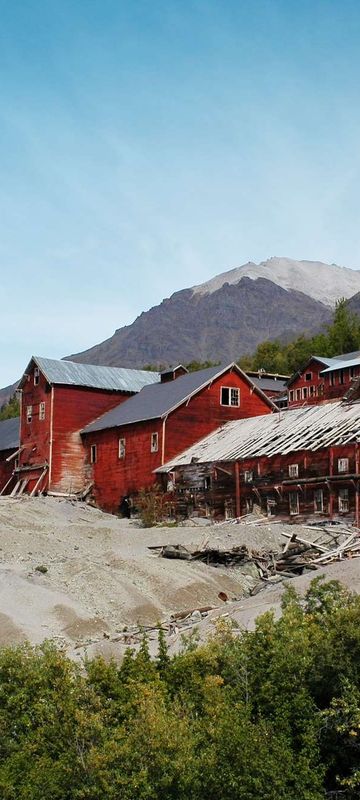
237,489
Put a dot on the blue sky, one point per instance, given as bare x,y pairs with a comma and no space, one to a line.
147,145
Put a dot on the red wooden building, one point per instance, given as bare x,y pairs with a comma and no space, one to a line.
125,445
9,446
57,399
322,379
297,463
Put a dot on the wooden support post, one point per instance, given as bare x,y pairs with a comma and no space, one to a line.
357,505
331,472
237,489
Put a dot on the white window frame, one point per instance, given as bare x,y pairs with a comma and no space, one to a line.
308,379
154,442
343,500
298,394
29,414
234,391
320,494
304,392
42,411
122,449
93,453
293,470
312,391
248,476
291,395
294,508
36,376
343,465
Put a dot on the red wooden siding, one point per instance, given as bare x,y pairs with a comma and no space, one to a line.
271,484
35,435
114,477
75,407
316,384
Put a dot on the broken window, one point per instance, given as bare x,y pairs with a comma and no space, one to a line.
293,503
291,395
29,414
308,376
42,411
343,500
343,465
248,476
229,396
36,376
304,392
249,504
341,377
298,394
122,448
93,454
318,501
311,391
293,470
331,379
154,446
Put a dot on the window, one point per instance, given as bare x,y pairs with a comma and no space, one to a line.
229,396
343,500
304,392
318,501
320,389
298,394
293,470
293,503
248,476
343,465
93,454
29,414
341,376
36,376
42,411
154,446
308,376
291,395
311,391
122,448
331,379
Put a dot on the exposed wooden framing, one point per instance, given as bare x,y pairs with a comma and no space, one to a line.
237,489
37,484
7,484
13,455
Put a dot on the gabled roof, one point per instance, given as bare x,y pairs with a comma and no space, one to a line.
69,373
341,363
10,434
269,384
157,401
287,431
321,359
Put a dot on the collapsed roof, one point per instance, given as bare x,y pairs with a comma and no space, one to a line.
305,428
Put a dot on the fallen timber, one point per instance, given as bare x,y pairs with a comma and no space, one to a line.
297,556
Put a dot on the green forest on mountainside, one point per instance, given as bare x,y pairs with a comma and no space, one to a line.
269,714
342,336
10,409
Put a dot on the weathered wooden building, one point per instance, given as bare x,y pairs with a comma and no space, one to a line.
9,447
125,445
296,463
323,379
57,399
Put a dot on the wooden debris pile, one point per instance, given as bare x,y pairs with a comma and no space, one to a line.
297,556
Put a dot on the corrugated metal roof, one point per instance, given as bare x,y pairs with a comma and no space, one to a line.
117,379
307,428
269,384
10,433
155,402
341,364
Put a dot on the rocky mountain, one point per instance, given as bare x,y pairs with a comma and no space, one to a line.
220,322
323,282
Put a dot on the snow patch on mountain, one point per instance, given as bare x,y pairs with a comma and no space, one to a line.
323,282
